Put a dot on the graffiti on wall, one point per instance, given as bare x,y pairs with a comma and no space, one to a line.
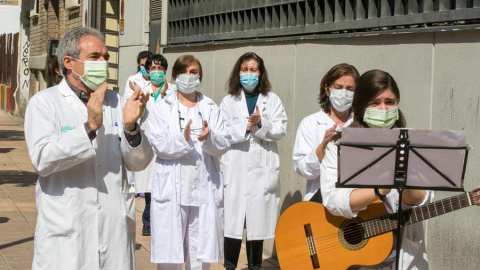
25,69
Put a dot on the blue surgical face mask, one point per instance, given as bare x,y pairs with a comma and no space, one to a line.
143,71
249,80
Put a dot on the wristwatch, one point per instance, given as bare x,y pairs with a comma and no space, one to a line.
379,195
133,132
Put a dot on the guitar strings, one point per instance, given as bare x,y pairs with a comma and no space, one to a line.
387,223
330,243
384,227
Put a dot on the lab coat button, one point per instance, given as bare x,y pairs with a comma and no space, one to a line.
99,207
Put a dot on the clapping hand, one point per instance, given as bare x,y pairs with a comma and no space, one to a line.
329,134
134,107
254,119
163,91
205,131
186,131
94,107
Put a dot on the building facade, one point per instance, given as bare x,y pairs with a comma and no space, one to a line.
45,24
125,25
10,18
429,47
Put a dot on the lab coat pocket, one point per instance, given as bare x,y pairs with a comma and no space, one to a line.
162,190
272,184
59,215
267,178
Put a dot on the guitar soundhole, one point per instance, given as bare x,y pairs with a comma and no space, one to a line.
351,235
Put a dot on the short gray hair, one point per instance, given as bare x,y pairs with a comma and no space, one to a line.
70,44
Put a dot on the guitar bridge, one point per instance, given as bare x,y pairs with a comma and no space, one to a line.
311,246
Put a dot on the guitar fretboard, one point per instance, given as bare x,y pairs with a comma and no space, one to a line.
389,223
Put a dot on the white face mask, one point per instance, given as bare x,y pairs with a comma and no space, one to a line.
341,99
187,84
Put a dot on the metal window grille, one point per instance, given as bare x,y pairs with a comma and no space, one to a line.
197,21
155,9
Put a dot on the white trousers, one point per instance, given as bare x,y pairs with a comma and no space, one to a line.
190,242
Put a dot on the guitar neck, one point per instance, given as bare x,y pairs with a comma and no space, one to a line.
389,223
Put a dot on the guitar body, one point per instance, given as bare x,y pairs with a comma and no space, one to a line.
329,246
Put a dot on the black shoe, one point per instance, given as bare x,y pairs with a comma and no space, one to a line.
146,230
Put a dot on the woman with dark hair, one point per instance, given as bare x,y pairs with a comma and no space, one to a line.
257,120
316,130
366,107
375,105
188,136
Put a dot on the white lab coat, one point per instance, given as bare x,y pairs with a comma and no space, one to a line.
139,80
143,178
170,145
310,134
251,167
127,93
336,200
86,213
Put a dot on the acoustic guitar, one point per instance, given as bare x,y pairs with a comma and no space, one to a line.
307,236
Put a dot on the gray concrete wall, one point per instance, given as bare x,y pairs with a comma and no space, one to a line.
437,74
134,39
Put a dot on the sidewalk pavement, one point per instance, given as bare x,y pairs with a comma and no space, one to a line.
18,213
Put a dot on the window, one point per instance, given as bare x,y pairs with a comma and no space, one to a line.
34,8
69,4
155,9
198,21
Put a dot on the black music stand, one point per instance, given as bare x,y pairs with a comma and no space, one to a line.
422,159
